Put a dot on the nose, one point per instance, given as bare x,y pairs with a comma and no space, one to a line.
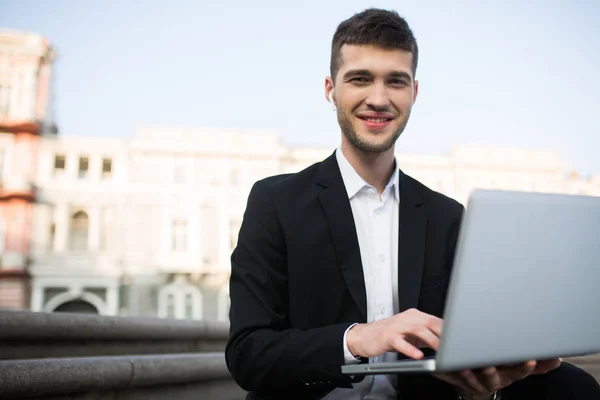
378,98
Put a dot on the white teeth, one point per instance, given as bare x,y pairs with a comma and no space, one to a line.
376,119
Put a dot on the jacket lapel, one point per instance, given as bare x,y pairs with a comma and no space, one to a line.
335,203
411,246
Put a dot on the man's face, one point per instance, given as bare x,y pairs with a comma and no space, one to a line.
374,93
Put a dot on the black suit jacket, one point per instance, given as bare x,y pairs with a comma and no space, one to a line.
297,280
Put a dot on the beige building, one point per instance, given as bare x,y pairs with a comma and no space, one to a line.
147,226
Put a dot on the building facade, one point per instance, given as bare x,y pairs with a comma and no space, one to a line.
25,114
147,226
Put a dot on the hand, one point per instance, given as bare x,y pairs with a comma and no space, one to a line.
403,333
481,384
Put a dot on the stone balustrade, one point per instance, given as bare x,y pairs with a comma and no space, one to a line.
81,356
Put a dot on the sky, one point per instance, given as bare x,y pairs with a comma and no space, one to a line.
494,73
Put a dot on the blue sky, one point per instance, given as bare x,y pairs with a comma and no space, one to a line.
502,73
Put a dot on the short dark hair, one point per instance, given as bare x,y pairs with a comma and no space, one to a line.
381,28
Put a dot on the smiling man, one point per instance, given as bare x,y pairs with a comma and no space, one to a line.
349,260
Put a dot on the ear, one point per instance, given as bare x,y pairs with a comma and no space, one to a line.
415,92
329,90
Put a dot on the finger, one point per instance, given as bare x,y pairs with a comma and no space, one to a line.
491,379
518,371
545,366
425,335
472,382
430,321
434,324
402,346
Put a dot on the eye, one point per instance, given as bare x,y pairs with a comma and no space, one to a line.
360,79
398,82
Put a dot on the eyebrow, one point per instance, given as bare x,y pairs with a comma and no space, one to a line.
365,72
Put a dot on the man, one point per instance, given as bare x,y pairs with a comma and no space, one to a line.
349,260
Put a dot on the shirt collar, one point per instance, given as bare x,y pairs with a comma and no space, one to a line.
354,182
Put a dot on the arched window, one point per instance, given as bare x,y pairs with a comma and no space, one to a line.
79,301
170,305
78,236
77,306
189,306
180,300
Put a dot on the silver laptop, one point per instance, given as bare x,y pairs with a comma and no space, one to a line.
525,284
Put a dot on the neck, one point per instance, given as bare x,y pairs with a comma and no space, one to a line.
375,168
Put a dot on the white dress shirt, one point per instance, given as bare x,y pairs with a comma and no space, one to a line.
376,220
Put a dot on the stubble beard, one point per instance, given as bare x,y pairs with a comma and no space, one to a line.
360,143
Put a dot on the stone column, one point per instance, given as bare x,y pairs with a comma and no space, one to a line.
112,300
37,298
72,166
94,229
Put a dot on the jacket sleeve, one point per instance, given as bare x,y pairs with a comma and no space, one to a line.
264,353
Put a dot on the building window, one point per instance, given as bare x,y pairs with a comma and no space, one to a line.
78,237
84,164
180,300
59,164
171,305
179,236
189,306
106,168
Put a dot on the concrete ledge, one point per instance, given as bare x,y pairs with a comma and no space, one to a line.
15,349
217,390
30,378
24,325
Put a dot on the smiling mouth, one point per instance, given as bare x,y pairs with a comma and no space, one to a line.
376,120
376,124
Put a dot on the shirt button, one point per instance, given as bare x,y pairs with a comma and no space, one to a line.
381,258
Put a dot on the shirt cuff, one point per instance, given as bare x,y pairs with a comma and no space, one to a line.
348,357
